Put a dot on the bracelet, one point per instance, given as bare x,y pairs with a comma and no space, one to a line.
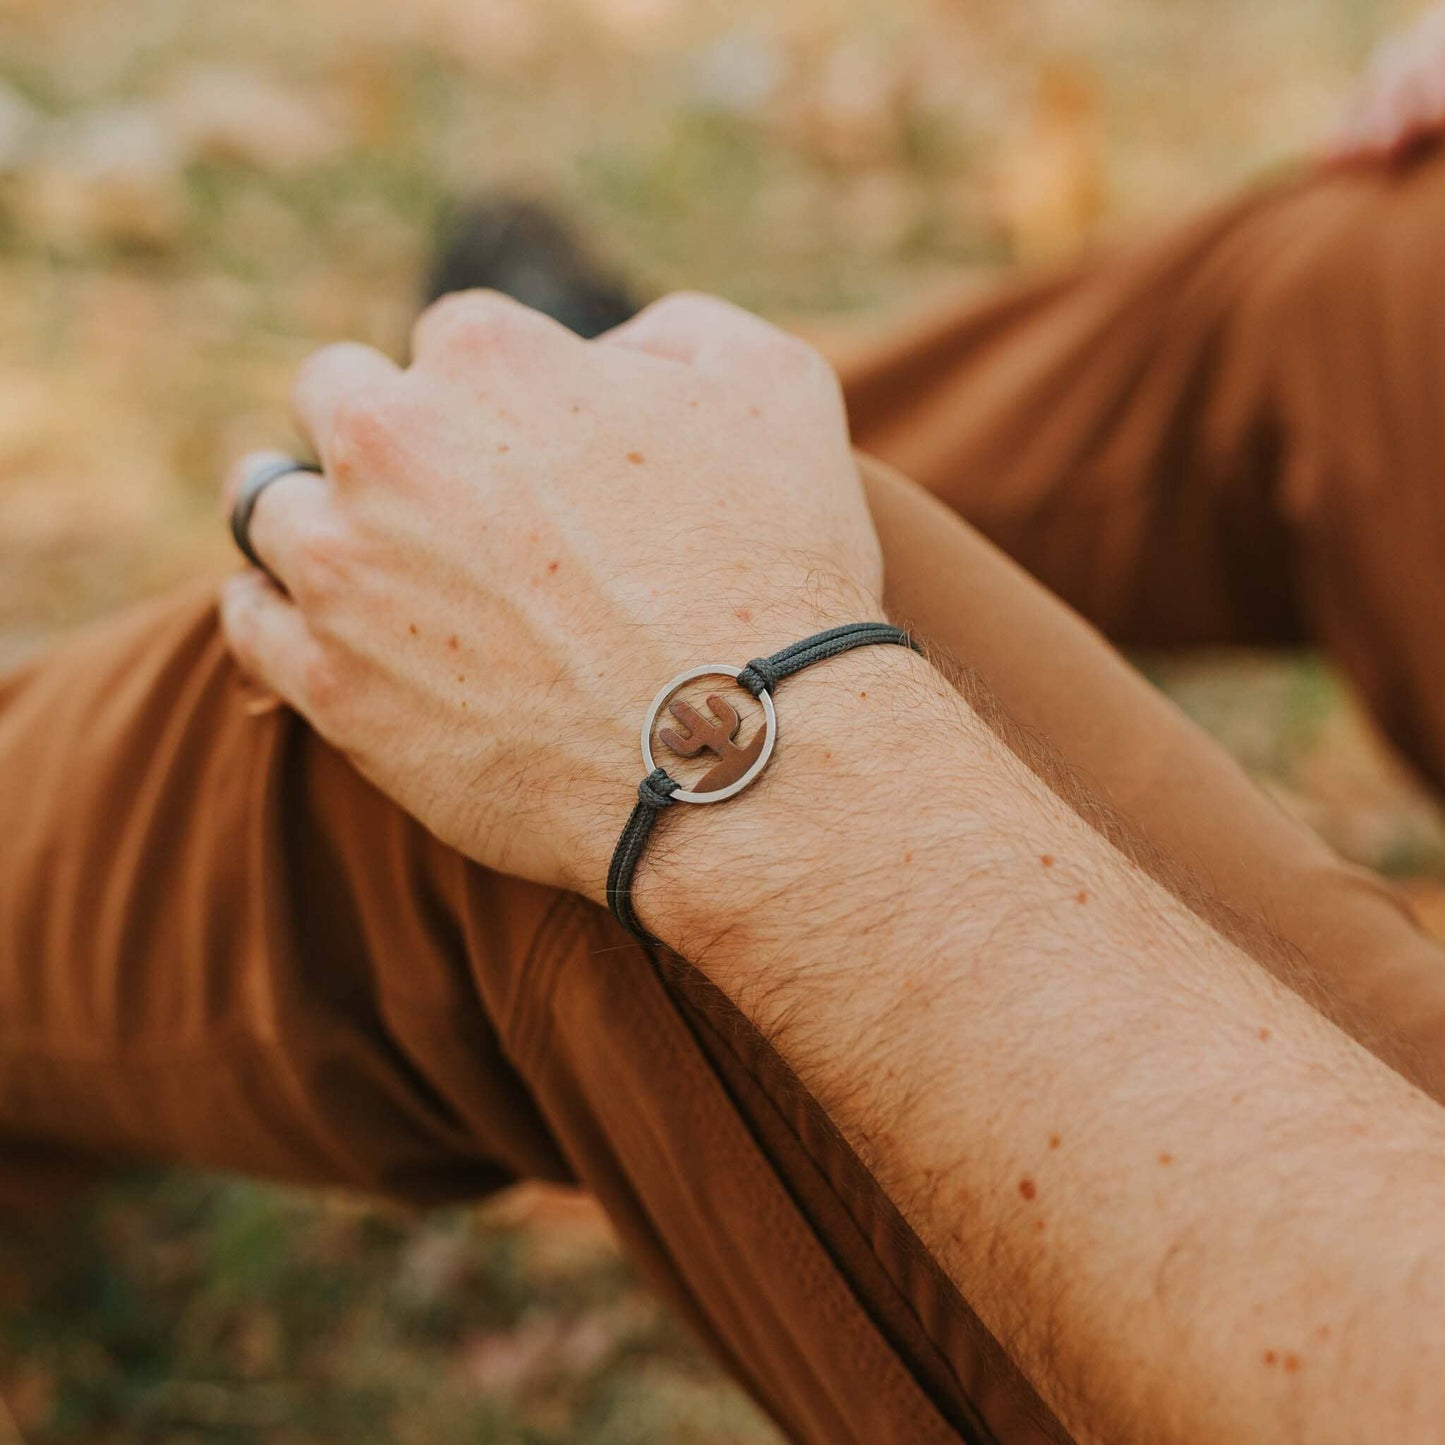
738,764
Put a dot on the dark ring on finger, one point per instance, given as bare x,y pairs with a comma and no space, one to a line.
256,482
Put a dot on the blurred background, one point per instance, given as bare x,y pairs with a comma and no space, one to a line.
194,194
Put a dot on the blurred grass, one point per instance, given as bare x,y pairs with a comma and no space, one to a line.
194,194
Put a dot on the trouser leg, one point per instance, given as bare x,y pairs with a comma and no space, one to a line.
1232,432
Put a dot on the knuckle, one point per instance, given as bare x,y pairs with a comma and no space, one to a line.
684,303
238,623
471,321
363,430
321,682
322,567
698,310
796,360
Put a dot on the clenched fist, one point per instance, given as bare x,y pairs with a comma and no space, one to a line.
518,538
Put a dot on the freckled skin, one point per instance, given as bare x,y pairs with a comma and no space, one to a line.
503,447
1166,1159
1291,1363
1047,859
1028,1189
453,643
553,566
1270,1358
1082,896
1263,1034
1054,1141
744,614
636,458
411,628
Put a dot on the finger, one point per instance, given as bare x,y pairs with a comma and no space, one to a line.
346,375
467,328
289,512
269,638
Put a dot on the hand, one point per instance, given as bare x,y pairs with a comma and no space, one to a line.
519,538
1401,104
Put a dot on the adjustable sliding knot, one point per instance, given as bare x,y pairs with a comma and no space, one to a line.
759,676
657,788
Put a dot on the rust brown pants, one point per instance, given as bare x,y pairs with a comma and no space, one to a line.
219,945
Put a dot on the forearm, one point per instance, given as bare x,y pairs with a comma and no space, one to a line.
1190,1208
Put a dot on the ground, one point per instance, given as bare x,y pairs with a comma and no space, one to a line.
193,195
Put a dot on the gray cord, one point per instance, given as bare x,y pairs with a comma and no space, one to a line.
654,792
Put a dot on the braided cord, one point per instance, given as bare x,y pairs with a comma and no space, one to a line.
655,791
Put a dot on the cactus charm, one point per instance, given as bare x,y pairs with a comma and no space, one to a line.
715,732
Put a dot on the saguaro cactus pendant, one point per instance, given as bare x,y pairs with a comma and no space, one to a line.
716,734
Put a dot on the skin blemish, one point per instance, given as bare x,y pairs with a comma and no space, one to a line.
862,694
461,677
1166,1159
553,566
1263,1035
1047,859
411,628
453,643
744,614
1236,1098
1270,1358
532,537
1054,1141
1324,1332
636,458
908,856
1082,896
503,447
755,411
1028,1189
1291,1363
575,408
1038,1226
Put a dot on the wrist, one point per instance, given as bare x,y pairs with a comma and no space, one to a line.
719,880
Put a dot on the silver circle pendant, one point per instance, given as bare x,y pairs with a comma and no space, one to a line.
714,731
